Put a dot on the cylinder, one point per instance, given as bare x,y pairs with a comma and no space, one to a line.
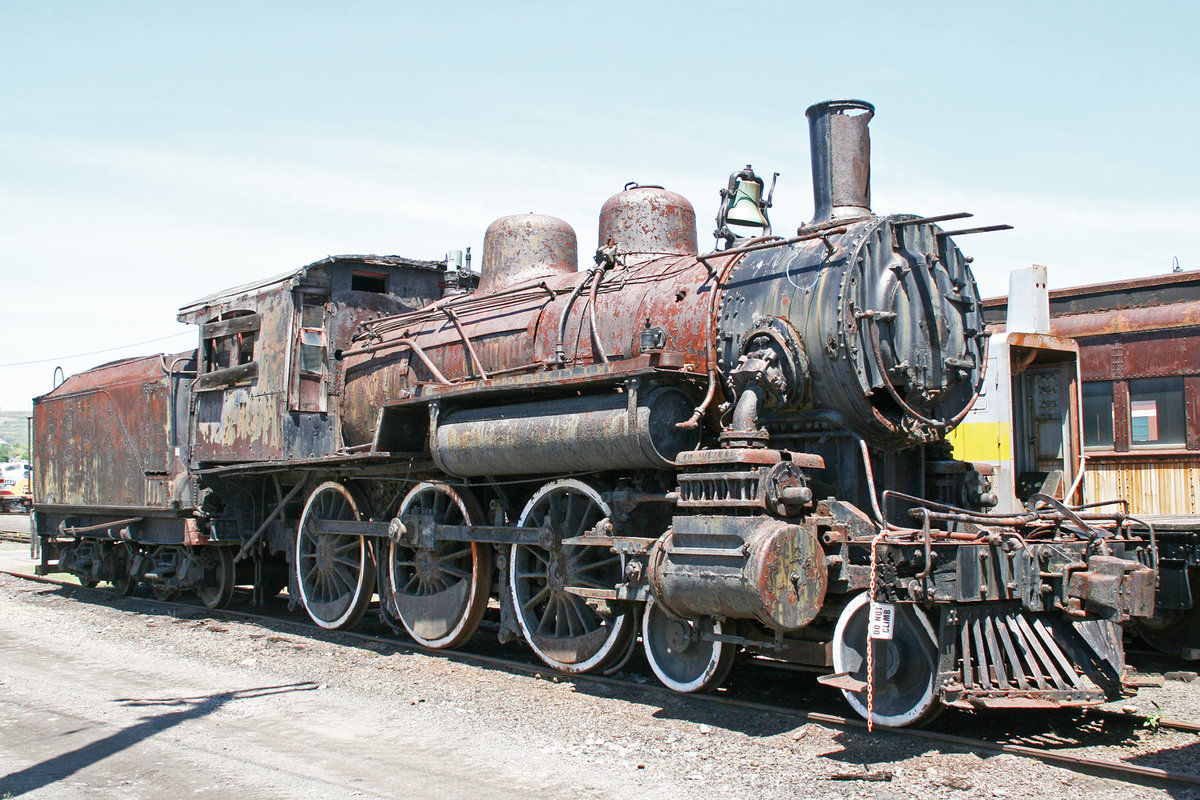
523,247
572,434
649,220
840,142
740,568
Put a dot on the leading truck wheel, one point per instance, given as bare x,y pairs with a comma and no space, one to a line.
439,594
680,655
566,631
335,572
905,666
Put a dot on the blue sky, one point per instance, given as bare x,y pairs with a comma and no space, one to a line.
154,152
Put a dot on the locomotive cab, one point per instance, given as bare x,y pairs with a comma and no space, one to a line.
268,386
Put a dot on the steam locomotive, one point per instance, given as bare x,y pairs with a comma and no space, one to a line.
742,451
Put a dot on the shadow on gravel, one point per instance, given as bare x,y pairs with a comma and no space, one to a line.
56,769
1049,730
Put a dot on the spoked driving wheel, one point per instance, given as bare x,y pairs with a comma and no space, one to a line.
566,631
680,655
335,572
215,589
905,666
439,594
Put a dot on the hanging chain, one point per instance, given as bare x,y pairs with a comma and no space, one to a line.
871,639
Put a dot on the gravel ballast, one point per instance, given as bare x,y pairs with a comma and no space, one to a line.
108,697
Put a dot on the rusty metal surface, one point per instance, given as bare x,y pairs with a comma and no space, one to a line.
524,247
741,568
749,456
648,220
929,359
271,409
1042,342
1148,292
1162,484
103,437
515,332
1142,355
1127,320
1115,583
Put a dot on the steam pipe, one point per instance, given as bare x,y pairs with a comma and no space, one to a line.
596,345
560,357
694,420
745,413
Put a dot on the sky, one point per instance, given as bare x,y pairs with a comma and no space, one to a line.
152,153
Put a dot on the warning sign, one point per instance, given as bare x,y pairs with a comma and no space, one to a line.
882,616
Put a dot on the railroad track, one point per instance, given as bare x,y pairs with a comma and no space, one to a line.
1134,773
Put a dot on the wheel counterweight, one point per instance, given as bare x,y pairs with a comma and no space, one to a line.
565,631
335,573
905,666
440,594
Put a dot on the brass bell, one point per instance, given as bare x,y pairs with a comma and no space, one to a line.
745,202
742,205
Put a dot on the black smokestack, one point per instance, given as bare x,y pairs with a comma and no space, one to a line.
841,158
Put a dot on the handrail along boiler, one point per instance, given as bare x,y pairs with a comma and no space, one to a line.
737,451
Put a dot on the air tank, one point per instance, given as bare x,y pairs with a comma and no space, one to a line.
592,432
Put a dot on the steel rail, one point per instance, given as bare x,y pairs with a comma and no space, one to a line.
1118,769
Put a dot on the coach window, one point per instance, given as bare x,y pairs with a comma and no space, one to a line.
1156,413
312,340
1098,415
308,382
229,350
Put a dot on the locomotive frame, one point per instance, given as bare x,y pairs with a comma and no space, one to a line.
740,451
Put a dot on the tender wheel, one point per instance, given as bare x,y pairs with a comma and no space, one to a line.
440,594
564,630
162,557
905,665
679,656
126,583
215,589
335,573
